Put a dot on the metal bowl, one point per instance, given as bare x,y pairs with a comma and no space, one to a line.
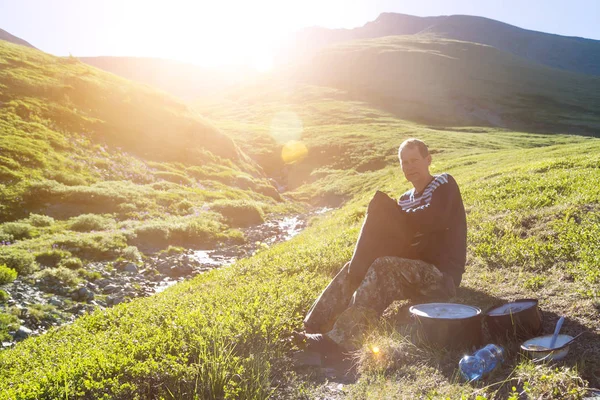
544,352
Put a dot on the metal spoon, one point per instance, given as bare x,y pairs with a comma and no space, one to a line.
556,330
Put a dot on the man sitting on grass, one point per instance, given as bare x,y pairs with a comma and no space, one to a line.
415,248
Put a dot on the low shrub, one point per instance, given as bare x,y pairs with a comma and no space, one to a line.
91,222
155,235
239,213
18,230
51,258
20,260
93,246
66,178
5,238
7,275
184,207
39,220
89,275
62,275
171,250
71,263
174,177
196,232
8,322
4,296
131,253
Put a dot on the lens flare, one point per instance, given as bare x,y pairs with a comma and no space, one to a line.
375,349
293,151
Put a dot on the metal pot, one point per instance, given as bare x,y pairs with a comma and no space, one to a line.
448,325
520,319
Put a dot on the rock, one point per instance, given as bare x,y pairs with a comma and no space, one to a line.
22,333
177,271
131,267
114,300
82,294
103,282
55,301
108,289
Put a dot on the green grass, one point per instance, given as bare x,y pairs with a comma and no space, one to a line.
196,340
533,214
84,151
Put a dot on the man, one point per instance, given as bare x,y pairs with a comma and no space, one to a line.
415,248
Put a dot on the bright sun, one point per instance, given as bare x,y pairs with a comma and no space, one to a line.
262,62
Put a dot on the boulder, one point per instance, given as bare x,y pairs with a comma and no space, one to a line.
131,267
22,333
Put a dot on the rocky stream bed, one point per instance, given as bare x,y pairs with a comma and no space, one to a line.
43,303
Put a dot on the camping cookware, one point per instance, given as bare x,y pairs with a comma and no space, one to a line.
520,319
539,348
447,325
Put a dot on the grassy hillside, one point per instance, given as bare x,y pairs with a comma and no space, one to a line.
447,82
186,81
97,168
573,54
13,39
533,216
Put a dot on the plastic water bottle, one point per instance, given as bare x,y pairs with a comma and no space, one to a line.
482,362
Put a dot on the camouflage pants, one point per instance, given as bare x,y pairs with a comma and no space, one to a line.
388,279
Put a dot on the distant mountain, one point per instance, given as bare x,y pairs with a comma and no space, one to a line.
568,53
13,39
184,80
447,82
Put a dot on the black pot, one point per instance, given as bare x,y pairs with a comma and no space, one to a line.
447,325
517,320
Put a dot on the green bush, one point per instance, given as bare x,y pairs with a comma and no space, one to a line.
91,222
18,230
63,275
8,322
5,238
71,263
39,220
51,258
7,275
93,246
155,235
239,213
184,207
89,275
174,177
4,296
20,260
131,253
196,232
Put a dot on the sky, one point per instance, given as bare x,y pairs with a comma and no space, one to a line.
217,33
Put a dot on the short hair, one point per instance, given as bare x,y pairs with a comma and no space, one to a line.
412,142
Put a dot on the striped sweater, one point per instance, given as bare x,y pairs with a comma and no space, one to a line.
438,223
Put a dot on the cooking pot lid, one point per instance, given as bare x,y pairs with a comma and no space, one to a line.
512,308
444,310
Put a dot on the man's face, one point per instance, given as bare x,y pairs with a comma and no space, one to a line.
414,165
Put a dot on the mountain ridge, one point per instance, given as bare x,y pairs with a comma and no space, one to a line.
564,52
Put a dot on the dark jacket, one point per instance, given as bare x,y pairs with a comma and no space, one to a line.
437,220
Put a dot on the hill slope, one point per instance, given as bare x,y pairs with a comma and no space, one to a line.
568,53
199,340
448,82
91,164
13,39
186,81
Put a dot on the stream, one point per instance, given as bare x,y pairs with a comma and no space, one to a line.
43,303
